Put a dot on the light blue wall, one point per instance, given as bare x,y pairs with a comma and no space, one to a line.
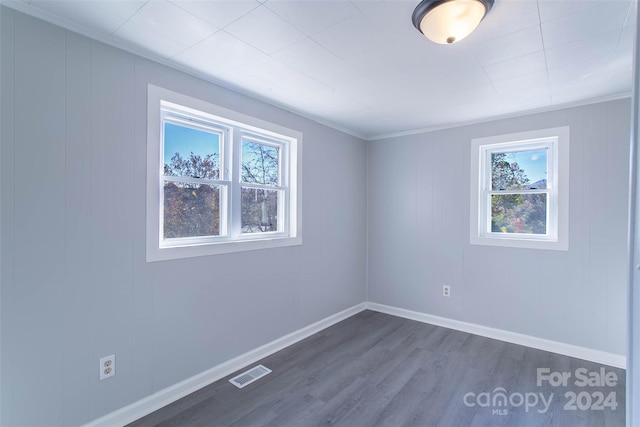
75,284
418,205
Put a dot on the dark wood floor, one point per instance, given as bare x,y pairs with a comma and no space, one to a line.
379,370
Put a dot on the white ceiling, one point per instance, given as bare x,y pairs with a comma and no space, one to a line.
361,66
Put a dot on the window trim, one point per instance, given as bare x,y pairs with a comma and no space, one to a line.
236,125
557,139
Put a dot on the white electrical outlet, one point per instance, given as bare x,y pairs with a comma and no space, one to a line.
107,367
446,291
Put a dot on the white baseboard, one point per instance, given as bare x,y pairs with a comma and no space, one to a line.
597,356
170,394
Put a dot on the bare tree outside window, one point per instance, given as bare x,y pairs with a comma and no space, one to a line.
260,167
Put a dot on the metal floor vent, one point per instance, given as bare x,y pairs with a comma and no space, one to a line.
249,376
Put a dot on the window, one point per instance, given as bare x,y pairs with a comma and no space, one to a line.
217,181
519,194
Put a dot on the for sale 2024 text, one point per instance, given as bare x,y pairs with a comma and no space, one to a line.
595,400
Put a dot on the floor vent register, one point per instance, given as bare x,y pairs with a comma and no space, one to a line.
246,378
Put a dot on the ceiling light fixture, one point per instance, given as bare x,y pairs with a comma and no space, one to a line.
449,21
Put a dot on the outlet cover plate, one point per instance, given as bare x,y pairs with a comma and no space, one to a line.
107,367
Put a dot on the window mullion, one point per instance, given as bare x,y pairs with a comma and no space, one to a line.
235,196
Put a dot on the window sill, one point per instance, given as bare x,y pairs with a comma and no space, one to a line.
514,242
179,252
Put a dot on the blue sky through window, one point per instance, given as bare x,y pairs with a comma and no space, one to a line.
534,163
185,140
259,163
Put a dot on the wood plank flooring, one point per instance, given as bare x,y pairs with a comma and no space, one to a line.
379,370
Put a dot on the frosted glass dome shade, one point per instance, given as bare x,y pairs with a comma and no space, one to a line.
450,21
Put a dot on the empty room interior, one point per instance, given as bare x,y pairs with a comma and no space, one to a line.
301,213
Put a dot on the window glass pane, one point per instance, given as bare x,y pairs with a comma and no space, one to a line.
259,210
519,170
259,163
191,152
519,213
191,210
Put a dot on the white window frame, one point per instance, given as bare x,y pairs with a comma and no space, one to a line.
556,141
175,114
282,185
165,105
